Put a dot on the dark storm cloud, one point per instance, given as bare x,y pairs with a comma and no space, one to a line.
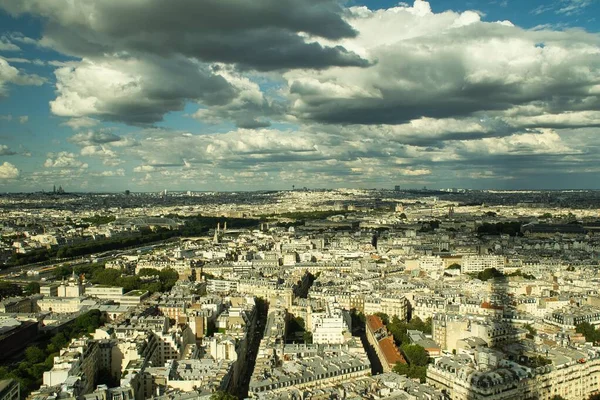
257,34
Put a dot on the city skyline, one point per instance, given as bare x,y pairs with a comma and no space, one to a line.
230,96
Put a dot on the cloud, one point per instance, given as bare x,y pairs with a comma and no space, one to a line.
100,144
23,119
8,171
279,32
447,65
363,98
118,172
64,160
81,122
6,45
10,74
135,91
572,7
415,172
93,138
144,168
5,151
250,109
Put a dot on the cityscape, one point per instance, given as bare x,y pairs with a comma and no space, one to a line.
299,200
303,294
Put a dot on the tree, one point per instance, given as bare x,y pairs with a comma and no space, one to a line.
221,395
588,330
8,289
31,288
415,355
35,355
531,329
107,277
414,372
384,317
489,273
307,337
454,266
148,272
168,277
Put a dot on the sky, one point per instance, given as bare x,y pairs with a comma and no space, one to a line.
222,95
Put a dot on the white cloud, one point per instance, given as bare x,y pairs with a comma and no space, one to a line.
144,168
415,172
81,122
442,65
8,171
23,119
64,160
133,90
10,74
118,172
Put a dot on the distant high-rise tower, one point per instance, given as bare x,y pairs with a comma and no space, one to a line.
397,188
54,190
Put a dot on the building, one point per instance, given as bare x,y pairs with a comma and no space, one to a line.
17,305
393,306
449,329
80,359
572,375
332,326
570,317
49,290
104,292
383,343
474,264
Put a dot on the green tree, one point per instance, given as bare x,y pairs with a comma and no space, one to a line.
31,288
588,330
384,317
107,277
307,337
148,272
59,341
454,266
168,277
489,273
531,329
415,355
413,372
221,395
34,355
